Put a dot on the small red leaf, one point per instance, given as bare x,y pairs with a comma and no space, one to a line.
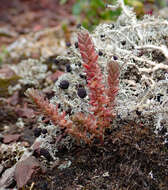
11,138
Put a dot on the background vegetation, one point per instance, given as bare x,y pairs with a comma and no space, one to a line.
91,12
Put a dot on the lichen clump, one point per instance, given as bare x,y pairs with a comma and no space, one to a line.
140,48
31,72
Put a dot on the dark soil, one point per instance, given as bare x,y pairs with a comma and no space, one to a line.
132,157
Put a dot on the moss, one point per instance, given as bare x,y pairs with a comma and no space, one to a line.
5,83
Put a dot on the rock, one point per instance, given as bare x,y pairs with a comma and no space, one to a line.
25,169
7,178
25,112
11,138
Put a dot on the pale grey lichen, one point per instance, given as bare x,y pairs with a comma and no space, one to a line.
41,43
141,47
31,72
53,139
68,98
66,164
20,123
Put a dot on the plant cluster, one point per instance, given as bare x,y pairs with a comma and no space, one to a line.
80,103
139,47
101,98
92,12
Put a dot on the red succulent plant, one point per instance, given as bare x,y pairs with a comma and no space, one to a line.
90,126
